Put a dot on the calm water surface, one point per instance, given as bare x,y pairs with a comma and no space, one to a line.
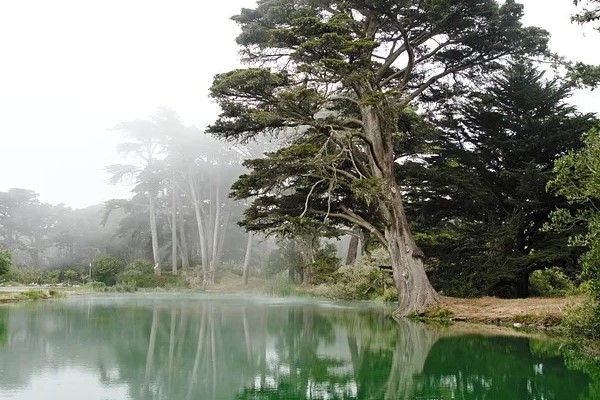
225,347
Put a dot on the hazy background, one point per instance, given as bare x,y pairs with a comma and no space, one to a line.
73,69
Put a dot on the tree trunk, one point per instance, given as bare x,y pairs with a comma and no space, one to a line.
216,230
174,230
198,213
522,285
154,233
184,253
247,259
415,293
352,248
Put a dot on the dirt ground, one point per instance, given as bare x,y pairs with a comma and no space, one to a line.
539,311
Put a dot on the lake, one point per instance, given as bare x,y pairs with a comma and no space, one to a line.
182,346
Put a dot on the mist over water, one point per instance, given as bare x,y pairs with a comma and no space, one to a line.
236,347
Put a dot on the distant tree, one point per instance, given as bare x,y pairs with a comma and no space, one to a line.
26,224
147,145
5,261
479,197
106,269
336,76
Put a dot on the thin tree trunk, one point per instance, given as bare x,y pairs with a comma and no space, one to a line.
247,258
216,229
154,233
174,230
202,238
184,253
222,235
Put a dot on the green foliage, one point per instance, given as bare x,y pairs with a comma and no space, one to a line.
589,13
583,321
140,265
34,295
5,262
479,201
365,281
322,70
550,282
578,179
72,276
325,264
106,269
131,279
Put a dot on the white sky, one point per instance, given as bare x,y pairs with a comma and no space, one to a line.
72,69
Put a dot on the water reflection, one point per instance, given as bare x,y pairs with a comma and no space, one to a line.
176,347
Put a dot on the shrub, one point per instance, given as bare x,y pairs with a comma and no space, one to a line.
550,282
136,279
5,262
583,321
143,266
326,263
34,295
106,269
71,276
365,281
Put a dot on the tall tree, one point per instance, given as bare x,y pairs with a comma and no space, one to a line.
146,144
578,179
338,74
479,197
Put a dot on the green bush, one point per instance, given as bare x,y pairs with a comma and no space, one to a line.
550,282
106,269
326,263
365,281
143,266
583,321
71,276
5,262
137,279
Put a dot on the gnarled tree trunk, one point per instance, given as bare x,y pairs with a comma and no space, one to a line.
415,292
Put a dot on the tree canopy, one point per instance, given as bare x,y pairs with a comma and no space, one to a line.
478,197
337,77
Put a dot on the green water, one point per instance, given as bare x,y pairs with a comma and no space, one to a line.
224,347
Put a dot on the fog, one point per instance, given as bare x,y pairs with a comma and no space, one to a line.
72,70
78,79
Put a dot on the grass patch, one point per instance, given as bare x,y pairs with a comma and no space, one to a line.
39,294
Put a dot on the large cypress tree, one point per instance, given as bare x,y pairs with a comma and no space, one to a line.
481,213
339,73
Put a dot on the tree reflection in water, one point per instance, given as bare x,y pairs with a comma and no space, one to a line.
175,347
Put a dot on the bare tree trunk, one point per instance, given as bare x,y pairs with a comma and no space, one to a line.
198,213
174,230
184,253
154,233
223,234
247,258
353,247
216,228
